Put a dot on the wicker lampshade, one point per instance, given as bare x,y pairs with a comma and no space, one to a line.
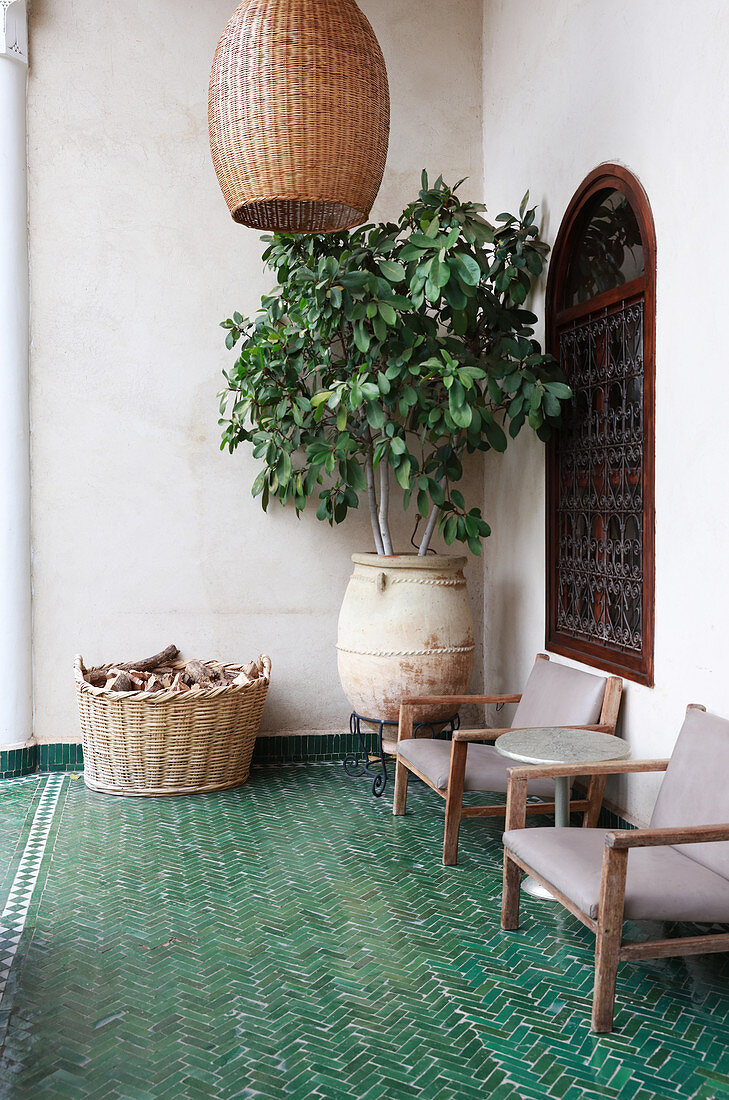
299,114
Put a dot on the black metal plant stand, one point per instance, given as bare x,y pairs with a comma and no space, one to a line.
357,763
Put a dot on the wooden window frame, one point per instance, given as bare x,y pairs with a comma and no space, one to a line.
637,667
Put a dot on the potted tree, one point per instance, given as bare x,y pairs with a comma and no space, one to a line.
383,357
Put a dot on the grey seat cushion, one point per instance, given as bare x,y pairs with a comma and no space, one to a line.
557,695
486,769
662,883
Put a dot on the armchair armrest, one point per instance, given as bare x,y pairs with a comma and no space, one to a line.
478,735
405,725
605,767
516,792
458,700
680,834
491,735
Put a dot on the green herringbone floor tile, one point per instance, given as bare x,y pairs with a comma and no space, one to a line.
292,939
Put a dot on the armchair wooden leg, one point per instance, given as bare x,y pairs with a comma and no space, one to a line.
516,796
511,895
454,802
595,794
404,733
400,797
609,935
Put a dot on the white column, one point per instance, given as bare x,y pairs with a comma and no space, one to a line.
16,708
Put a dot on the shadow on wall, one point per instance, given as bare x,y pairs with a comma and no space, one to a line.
507,628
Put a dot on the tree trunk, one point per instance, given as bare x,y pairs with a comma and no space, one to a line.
385,505
428,532
372,501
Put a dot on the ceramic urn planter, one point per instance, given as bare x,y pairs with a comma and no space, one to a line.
405,629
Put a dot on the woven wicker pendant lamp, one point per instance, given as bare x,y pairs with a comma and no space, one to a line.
299,114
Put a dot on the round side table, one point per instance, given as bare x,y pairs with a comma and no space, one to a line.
559,745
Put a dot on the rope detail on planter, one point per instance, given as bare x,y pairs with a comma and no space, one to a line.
454,583
408,652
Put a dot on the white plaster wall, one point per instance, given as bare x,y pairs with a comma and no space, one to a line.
567,86
143,532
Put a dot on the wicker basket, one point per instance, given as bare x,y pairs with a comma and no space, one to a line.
165,743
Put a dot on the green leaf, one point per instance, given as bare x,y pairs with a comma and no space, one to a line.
559,390
518,293
258,484
440,273
283,467
321,397
387,313
354,279
436,492
393,271
432,290
450,530
375,415
460,323
516,425
361,337
402,473
460,411
468,269
495,435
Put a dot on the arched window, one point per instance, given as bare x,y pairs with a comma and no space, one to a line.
600,464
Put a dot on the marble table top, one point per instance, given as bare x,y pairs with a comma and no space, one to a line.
549,745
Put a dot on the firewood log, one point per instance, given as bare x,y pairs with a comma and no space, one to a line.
159,659
122,682
198,672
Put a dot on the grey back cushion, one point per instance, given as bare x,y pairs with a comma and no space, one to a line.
557,695
695,788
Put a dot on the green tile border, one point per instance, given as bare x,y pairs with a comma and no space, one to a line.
302,748
17,762
40,758
611,819
60,758
298,748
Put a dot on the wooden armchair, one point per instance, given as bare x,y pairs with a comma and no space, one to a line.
678,868
554,695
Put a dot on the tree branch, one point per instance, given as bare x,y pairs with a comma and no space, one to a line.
428,532
385,504
372,501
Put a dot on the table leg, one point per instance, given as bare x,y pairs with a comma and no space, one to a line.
561,821
561,802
